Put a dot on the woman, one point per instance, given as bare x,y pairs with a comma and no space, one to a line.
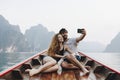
49,64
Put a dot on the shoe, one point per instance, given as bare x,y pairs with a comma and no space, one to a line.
59,71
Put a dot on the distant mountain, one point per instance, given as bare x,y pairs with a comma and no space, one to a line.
11,39
4,25
38,37
114,46
91,47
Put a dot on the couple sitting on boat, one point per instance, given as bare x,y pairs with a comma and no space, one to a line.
62,52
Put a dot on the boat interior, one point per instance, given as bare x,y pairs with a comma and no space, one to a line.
97,70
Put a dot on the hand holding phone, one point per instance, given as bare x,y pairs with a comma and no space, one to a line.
80,30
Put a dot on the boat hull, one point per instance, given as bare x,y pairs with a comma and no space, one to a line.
98,71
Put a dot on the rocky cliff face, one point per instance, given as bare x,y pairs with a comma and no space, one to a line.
11,39
114,46
38,37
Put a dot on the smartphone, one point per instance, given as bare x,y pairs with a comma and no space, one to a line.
80,30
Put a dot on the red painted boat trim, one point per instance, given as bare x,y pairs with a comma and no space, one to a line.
19,64
100,63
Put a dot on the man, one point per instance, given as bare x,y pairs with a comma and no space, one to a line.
72,42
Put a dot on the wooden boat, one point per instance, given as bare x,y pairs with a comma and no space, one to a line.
98,71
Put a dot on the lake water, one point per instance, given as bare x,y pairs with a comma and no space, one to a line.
9,59
110,59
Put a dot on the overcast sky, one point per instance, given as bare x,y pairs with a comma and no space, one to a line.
100,18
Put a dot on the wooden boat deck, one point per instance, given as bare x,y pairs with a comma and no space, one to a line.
98,71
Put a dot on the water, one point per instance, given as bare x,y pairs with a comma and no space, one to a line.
110,59
9,59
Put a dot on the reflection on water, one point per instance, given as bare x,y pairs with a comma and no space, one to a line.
110,59
9,59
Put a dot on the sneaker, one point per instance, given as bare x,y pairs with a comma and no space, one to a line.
59,71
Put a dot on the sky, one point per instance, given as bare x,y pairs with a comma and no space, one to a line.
100,18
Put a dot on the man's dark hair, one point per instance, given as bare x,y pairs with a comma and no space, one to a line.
63,30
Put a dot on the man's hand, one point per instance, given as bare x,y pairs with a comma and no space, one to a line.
83,31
